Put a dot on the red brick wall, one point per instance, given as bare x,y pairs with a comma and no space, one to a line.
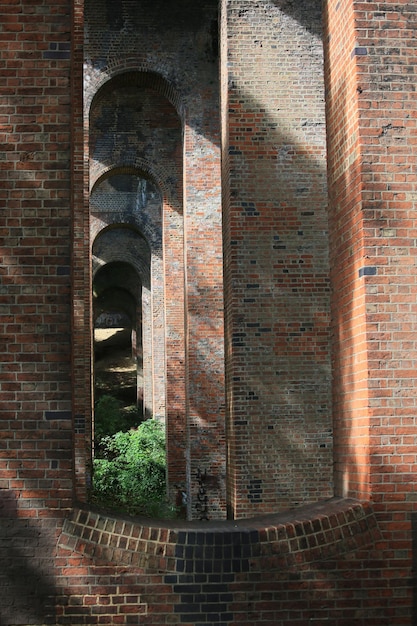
36,485
348,258
283,569
276,257
339,561
371,141
35,403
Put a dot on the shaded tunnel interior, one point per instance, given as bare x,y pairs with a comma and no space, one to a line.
118,334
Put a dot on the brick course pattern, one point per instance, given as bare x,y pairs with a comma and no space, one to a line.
372,157
276,569
277,292
35,403
281,255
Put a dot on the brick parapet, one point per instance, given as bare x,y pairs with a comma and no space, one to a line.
311,533
279,568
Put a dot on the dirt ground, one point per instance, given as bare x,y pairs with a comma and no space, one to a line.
115,370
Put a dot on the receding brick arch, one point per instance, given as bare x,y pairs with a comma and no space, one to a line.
140,78
134,132
141,168
189,182
149,225
118,301
133,69
114,297
134,170
124,244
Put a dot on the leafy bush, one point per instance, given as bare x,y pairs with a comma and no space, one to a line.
107,419
130,476
110,417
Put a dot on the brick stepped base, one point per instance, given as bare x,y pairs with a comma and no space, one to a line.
288,568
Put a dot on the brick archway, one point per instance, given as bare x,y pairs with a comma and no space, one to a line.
186,171
135,148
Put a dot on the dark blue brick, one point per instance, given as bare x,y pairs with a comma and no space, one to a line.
179,551
170,579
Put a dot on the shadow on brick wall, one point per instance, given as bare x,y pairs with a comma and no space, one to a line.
27,565
414,564
308,14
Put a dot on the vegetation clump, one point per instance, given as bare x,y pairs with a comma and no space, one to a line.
111,417
129,468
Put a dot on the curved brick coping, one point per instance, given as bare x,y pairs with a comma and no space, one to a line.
311,533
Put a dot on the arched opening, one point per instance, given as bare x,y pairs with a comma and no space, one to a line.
121,296
135,141
129,460
117,339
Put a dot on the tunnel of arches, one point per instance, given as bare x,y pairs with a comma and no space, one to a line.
117,313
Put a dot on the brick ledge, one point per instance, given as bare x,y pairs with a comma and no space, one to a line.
315,532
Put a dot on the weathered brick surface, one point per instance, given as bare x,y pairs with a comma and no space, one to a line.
35,250
276,258
372,157
36,485
157,116
283,569
348,257
318,285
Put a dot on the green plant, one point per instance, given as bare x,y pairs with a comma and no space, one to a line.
132,416
131,474
107,419
110,417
